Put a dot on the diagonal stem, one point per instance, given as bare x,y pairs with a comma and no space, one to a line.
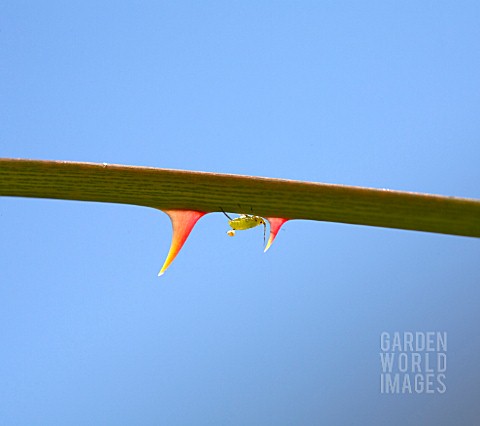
208,192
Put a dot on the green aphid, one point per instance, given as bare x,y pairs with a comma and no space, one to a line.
245,221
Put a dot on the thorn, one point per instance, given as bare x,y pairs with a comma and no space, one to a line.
275,225
183,222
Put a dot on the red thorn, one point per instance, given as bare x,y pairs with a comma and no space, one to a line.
275,225
183,222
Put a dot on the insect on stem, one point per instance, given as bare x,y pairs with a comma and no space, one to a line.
243,222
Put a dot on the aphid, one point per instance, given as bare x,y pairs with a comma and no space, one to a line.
245,221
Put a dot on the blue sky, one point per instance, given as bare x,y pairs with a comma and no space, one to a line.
379,94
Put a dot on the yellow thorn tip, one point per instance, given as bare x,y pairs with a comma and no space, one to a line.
275,225
183,222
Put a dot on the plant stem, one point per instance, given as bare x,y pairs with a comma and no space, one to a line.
209,192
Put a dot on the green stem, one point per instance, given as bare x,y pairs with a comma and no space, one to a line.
209,192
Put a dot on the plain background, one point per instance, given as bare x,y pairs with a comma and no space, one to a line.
379,94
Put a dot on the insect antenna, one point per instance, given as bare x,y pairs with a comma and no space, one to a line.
229,218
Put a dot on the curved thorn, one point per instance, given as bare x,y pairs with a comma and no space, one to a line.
183,222
275,225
